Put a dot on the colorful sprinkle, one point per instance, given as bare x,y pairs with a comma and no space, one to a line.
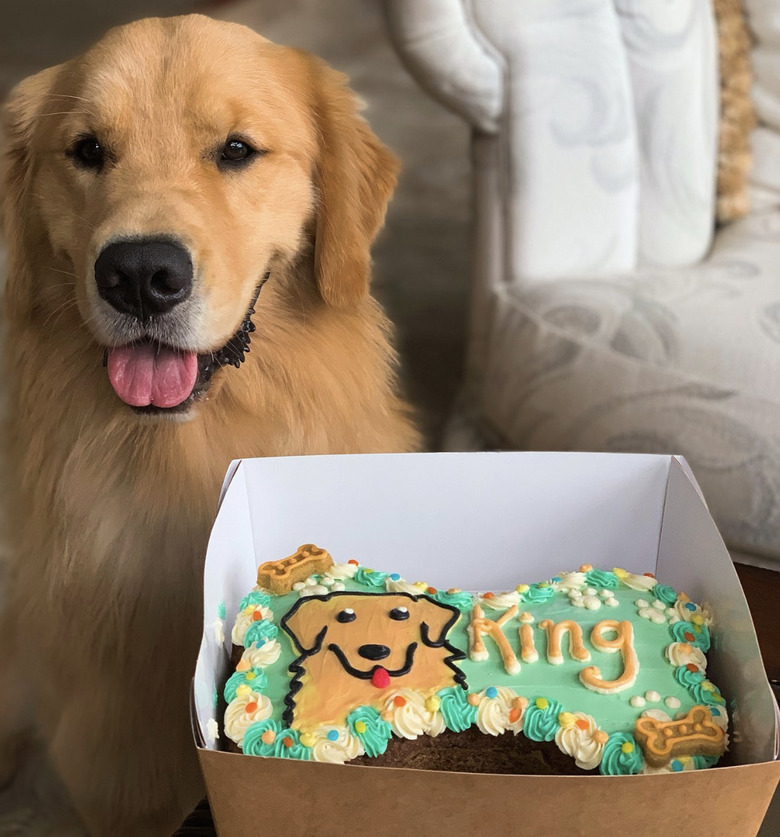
307,739
353,562
676,766
689,636
399,701
541,703
473,699
431,590
257,616
360,727
691,667
395,577
581,723
627,747
697,620
333,735
690,606
287,741
491,692
566,719
251,707
268,737
433,703
522,588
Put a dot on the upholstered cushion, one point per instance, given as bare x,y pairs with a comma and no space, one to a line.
661,360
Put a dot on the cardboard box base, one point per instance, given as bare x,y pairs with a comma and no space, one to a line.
712,802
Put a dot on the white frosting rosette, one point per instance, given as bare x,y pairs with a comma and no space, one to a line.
260,656
246,618
401,585
682,653
570,581
643,583
335,745
684,609
407,713
243,711
580,737
338,572
657,714
500,601
500,709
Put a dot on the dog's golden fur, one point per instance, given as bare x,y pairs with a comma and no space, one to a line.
108,511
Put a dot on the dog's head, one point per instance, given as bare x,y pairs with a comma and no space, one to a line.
370,631
156,180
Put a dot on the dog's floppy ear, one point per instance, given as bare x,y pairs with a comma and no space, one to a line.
306,623
20,115
354,176
437,618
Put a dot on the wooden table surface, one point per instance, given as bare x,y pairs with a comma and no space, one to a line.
762,589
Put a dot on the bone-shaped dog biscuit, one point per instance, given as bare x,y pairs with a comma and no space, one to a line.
694,735
279,576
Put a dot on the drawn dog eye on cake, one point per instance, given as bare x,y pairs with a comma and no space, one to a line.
356,648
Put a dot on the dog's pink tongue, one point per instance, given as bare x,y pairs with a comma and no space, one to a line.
380,678
145,373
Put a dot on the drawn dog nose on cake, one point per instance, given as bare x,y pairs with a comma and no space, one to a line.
355,648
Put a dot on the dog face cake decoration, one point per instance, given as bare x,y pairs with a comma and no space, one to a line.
335,660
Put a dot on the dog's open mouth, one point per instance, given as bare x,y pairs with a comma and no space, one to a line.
152,377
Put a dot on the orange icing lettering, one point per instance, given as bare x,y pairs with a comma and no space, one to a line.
480,626
590,677
528,650
556,632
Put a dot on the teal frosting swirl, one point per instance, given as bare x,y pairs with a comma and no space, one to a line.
615,762
461,600
259,632
542,724
255,597
702,762
711,697
253,744
292,750
668,595
687,679
377,732
239,678
221,610
536,594
602,578
700,634
371,578
457,712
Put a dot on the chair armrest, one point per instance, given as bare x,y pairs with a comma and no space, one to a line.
441,49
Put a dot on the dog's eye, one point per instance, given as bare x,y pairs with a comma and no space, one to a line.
235,152
346,615
89,153
399,613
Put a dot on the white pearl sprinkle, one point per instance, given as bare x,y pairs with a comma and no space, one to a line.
339,586
606,593
659,605
672,702
613,602
591,602
637,701
575,594
642,603
590,591
328,581
652,696
299,585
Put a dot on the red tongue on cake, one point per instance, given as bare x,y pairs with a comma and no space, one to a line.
146,373
380,678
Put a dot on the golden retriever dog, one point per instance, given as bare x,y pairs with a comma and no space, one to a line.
356,648
151,188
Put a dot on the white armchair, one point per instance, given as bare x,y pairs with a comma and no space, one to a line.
604,316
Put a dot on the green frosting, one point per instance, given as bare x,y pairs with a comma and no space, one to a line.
537,594
457,712
668,595
694,682
259,632
256,597
287,745
253,743
700,634
602,578
371,578
541,723
616,762
461,600
702,762
377,732
256,683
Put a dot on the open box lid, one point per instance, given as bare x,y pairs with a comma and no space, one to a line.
472,520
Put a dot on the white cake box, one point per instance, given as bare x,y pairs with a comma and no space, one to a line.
478,521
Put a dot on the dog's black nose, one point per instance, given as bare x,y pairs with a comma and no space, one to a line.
374,652
144,276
